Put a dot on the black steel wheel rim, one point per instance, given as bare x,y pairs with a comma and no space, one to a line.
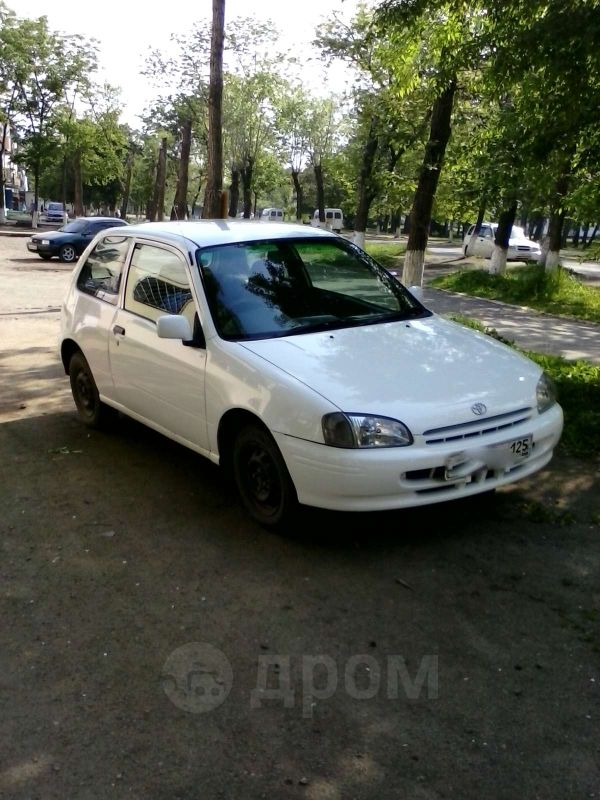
261,480
85,392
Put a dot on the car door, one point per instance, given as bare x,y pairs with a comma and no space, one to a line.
160,380
484,242
95,302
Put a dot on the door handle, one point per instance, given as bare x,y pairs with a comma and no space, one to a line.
118,330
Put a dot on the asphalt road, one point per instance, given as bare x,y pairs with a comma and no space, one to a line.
449,652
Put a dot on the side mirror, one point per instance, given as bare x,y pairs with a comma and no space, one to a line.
173,326
417,292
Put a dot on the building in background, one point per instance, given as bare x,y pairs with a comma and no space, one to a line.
15,178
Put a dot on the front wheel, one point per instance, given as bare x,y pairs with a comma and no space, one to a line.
67,253
91,409
262,478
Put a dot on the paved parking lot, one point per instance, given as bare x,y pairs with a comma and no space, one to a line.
156,644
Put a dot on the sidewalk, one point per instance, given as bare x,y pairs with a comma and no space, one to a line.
529,329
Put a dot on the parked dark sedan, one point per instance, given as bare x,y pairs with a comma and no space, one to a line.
71,240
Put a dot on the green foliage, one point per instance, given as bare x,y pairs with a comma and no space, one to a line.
578,387
556,293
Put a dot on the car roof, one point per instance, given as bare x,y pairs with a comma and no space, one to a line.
100,219
207,233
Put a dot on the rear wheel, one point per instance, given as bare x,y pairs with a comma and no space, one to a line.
85,393
262,478
67,253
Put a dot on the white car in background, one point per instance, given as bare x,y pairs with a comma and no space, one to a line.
290,357
520,248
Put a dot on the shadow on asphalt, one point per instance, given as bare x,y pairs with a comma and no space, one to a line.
132,457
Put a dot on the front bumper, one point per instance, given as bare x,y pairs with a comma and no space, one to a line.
37,247
400,477
514,254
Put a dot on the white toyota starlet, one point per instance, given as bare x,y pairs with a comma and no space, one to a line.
289,356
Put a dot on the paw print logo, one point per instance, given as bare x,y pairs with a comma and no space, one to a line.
197,677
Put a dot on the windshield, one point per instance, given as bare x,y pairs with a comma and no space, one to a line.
74,227
282,287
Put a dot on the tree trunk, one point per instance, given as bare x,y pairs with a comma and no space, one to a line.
214,184
592,237
406,227
299,194
565,231
557,220
77,185
234,192
158,202
127,188
395,222
365,193
505,224
318,170
555,230
477,228
197,195
63,183
247,173
435,149
585,235
575,241
181,207
36,196
2,151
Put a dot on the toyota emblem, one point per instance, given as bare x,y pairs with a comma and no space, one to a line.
479,409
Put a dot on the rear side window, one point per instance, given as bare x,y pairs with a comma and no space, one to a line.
100,276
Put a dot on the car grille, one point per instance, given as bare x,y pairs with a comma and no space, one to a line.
523,247
479,427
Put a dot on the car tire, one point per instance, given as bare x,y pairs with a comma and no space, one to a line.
67,253
262,478
91,409
45,256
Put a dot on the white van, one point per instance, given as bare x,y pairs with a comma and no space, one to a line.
272,215
333,217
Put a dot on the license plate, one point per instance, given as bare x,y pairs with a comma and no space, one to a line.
521,448
31,246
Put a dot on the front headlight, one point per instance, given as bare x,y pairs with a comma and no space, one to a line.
545,393
45,242
364,430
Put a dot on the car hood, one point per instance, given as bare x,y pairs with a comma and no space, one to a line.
55,235
427,372
516,241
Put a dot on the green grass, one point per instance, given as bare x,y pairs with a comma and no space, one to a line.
558,293
390,256
578,386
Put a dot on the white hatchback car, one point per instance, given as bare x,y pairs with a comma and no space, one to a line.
289,356
520,248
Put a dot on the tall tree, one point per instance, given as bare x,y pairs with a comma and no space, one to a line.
51,67
214,182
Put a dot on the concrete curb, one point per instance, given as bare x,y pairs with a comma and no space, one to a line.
525,309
